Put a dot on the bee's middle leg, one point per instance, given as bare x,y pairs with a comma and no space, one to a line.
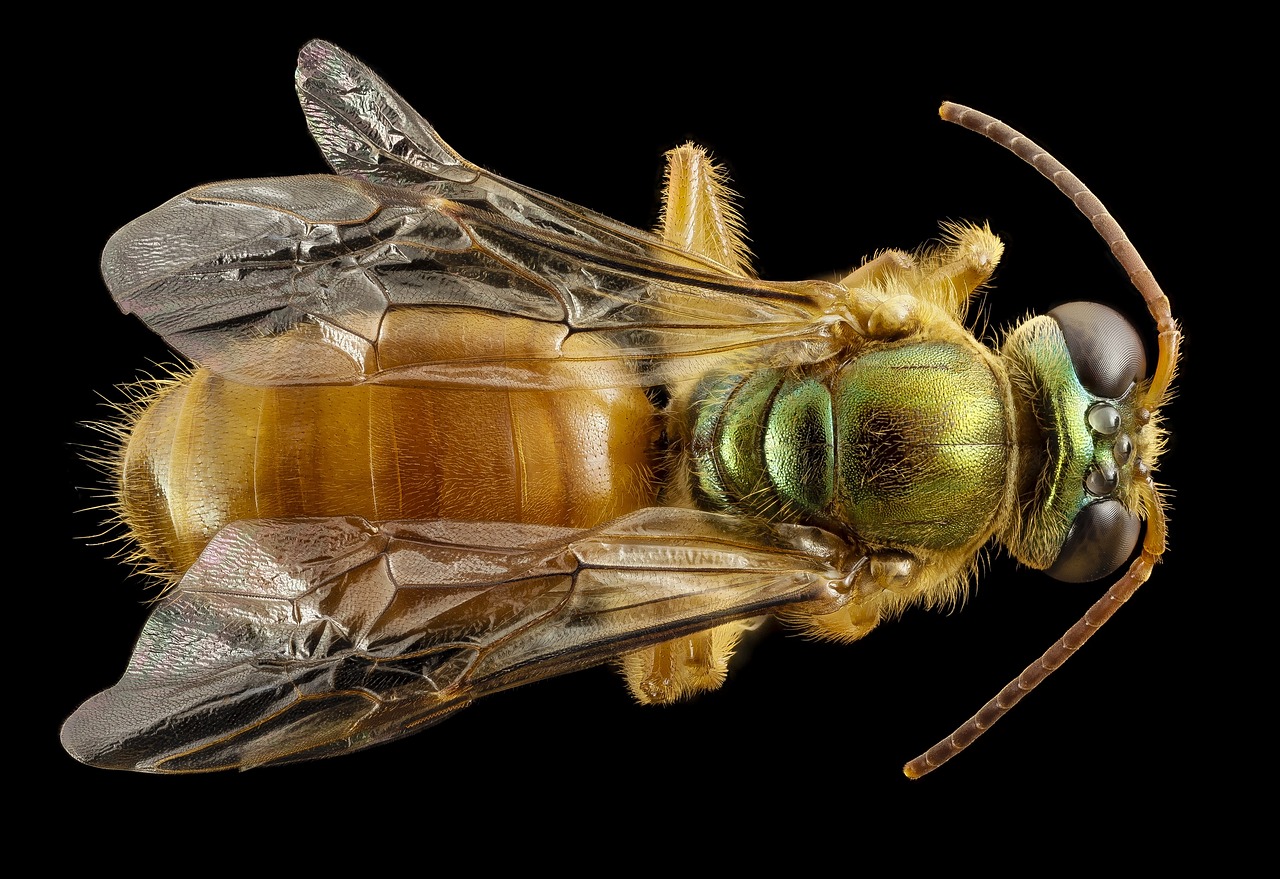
683,667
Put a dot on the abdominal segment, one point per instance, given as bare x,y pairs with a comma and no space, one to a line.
208,452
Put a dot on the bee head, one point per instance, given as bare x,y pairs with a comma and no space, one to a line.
1081,370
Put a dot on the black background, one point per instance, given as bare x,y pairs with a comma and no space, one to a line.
832,138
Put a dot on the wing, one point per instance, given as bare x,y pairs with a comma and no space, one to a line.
297,639
313,279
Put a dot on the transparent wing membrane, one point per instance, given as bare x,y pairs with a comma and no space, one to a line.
294,639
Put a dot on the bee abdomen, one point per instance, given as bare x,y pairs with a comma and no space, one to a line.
210,451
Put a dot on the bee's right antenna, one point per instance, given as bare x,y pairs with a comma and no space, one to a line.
1154,542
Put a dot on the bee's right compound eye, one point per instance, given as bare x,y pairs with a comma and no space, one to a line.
1106,350
1101,539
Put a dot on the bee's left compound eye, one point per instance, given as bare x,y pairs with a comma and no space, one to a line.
1102,538
1106,350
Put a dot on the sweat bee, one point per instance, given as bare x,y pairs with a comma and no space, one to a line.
447,435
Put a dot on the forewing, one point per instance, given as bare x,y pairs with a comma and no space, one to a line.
298,280
315,279
295,639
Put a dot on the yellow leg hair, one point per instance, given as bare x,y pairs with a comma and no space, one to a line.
698,215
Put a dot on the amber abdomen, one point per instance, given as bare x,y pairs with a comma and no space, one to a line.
207,451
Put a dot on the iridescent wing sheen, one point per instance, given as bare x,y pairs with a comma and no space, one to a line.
288,280
297,639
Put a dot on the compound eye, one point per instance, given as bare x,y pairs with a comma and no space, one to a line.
1102,538
1105,348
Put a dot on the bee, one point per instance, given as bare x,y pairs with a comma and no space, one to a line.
446,435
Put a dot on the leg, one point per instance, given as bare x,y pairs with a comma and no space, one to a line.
890,295
887,584
682,667
698,215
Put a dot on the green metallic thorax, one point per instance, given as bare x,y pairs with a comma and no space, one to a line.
902,446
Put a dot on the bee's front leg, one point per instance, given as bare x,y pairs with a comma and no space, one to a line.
896,294
874,583
887,582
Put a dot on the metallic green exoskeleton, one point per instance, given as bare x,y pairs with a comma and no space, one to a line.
903,446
